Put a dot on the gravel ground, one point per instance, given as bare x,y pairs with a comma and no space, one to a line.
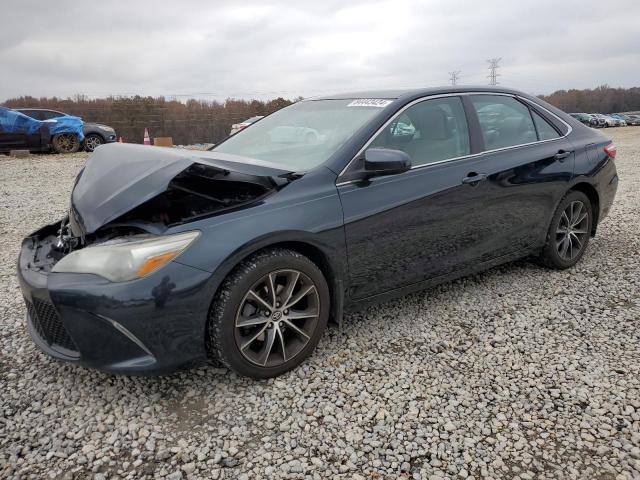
519,372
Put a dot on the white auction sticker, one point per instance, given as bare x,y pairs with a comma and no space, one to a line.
370,102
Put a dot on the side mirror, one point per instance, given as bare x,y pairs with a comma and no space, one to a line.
381,161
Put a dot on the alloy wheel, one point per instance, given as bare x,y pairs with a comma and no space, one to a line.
572,230
66,142
277,317
92,142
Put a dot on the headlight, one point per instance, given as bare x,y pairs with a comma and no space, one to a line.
124,261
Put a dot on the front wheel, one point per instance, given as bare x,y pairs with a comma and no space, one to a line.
92,141
569,232
269,314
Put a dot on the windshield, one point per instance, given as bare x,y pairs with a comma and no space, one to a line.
303,135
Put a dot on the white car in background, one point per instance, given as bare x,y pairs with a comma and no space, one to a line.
236,127
608,121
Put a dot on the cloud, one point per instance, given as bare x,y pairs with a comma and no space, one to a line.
287,48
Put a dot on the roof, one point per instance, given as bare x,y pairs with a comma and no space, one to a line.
413,92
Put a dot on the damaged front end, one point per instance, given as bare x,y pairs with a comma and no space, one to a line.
130,190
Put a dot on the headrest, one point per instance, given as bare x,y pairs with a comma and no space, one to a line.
432,122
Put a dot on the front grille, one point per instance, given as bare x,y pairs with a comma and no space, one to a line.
48,325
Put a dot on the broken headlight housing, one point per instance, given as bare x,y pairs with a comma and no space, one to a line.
120,261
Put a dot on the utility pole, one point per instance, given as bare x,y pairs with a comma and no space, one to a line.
453,77
493,70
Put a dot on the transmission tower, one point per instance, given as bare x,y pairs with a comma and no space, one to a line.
454,76
493,70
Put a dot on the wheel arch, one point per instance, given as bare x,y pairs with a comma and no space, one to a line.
593,196
97,134
322,259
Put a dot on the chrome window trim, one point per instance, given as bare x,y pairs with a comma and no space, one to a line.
472,155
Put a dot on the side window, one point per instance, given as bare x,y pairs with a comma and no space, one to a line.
545,131
49,114
428,131
33,114
504,121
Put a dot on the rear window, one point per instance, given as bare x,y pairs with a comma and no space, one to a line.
545,130
504,121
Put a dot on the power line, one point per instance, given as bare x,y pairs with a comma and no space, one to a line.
453,77
493,70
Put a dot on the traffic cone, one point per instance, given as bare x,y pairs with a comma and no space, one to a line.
147,140
120,140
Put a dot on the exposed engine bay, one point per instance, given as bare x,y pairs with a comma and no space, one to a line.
198,191
128,192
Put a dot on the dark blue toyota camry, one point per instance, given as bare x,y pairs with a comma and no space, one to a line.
243,254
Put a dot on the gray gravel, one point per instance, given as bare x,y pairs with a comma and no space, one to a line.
519,372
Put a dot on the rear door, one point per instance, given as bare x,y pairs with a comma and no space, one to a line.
528,164
14,138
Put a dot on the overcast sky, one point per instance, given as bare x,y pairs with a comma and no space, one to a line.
262,49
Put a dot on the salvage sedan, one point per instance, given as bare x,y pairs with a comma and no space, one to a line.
243,254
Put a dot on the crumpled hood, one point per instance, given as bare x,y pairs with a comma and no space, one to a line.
118,177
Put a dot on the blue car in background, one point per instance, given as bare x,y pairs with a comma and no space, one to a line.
62,134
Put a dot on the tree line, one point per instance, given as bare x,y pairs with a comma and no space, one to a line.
190,122
602,99
204,121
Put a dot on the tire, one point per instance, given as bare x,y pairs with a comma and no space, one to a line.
565,243
293,333
92,141
65,143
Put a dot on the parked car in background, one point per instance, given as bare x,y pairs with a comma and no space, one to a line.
242,254
236,127
633,120
604,120
623,117
586,119
95,134
62,134
618,122
601,122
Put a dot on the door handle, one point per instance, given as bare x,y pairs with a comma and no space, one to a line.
473,178
561,155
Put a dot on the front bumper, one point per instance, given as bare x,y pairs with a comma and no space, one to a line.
154,324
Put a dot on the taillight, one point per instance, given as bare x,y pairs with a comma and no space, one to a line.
610,150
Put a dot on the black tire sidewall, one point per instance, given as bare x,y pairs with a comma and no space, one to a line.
226,308
550,254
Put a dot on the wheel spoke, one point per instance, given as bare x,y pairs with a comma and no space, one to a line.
295,315
580,219
574,236
290,286
565,218
268,345
251,321
257,297
253,339
570,246
300,295
564,246
295,329
272,290
580,232
284,348
576,210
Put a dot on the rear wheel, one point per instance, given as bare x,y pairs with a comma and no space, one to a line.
269,314
65,143
569,232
